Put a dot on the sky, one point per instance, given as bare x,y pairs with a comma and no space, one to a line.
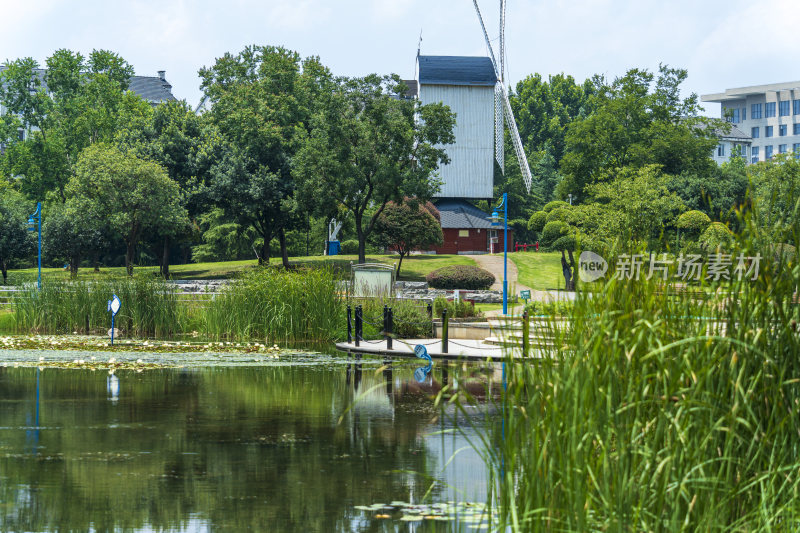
722,43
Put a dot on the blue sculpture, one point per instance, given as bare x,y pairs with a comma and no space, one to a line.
422,372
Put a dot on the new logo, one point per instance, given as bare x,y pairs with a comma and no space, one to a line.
591,266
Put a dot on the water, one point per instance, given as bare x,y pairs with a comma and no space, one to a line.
290,445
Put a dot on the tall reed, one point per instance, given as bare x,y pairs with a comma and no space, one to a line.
278,306
149,307
656,410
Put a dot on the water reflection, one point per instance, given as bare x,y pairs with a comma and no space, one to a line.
281,448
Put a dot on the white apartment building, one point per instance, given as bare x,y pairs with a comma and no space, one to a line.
769,114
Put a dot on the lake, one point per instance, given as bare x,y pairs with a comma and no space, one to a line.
306,442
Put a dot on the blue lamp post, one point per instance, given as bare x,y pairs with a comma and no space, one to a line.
496,222
34,221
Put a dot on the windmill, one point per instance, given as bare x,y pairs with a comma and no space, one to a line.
502,106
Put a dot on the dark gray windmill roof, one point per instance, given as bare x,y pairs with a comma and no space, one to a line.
456,70
458,214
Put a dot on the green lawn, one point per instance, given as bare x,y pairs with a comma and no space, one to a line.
414,268
539,270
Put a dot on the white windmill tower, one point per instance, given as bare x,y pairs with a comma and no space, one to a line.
502,106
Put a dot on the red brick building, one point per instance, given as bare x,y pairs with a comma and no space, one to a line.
468,230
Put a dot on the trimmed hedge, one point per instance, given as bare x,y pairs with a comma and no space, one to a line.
537,221
694,222
717,235
555,204
553,231
465,277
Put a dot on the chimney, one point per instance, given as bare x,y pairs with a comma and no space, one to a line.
162,74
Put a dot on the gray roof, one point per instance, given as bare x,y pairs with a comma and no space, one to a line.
732,134
154,89
456,70
458,214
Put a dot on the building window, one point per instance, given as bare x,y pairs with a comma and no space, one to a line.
767,131
721,150
796,150
796,129
782,130
782,149
796,106
744,113
767,153
735,116
755,111
463,233
754,154
754,132
783,109
769,110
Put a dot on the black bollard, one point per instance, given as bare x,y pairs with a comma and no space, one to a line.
389,328
385,322
358,325
430,316
526,333
349,325
444,330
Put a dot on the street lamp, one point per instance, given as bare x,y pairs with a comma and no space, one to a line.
496,222
34,221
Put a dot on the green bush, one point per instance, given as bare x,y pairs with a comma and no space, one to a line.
693,222
537,221
567,242
717,235
553,231
350,247
409,317
555,204
465,277
459,309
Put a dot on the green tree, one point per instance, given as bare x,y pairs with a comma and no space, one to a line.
638,205
70,233
368,146
637,120
544,109
75,102
131,194
408,226
15,240
262,100
776,196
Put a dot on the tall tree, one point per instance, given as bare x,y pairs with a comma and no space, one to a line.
75,102
132,194
15,240
262,100
367,148
637,120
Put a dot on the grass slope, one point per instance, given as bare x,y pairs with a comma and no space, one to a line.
539,270
414,268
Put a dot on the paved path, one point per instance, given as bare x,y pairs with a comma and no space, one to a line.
494,264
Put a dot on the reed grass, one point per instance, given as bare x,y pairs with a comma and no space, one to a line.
149,307
278,306
656,410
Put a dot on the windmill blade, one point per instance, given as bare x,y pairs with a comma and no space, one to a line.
499,149
515,139
486,36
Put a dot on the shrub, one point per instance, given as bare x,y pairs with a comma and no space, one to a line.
717,235
459,309
537,221
693,222
460,277
567,242
553,231
549,206
350,247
